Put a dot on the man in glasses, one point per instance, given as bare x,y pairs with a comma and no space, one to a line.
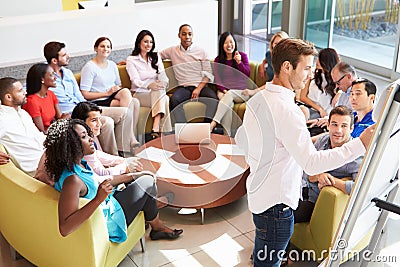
343,74
362,97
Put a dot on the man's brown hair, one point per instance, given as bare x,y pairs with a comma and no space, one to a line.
51,50
342,111
291,50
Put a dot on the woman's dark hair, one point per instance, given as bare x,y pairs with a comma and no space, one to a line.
63,146
328,58
81,111
221,52
101,39
34,77
151,54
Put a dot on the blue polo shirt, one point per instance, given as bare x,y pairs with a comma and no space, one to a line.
67,91
360,126
112,210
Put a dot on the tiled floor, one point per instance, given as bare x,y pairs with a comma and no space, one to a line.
226,239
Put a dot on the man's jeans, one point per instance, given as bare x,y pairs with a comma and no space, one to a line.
274,227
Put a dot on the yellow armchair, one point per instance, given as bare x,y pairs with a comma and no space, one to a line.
318,234
29,223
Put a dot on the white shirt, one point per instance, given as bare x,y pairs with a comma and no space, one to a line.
142,73
278,147
322,99
190,65
344,99
21,138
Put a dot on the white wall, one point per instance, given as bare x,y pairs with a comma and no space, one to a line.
23,37
28,7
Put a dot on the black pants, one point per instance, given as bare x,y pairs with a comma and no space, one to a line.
305,208
184,94
139,195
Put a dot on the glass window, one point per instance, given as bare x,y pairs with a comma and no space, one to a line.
318,22
259,16
276,19
266,17
366,30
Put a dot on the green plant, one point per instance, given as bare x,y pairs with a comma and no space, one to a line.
341,13
392,11
358,16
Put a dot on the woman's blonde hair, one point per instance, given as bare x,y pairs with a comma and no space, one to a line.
281,34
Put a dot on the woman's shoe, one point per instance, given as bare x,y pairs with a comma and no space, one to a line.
170,196
135,145
157,235
162,204
155,135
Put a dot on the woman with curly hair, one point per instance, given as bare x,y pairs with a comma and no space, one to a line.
67,142
42,103
318,93
104,164
149,81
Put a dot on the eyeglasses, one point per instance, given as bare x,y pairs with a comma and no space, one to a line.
338,81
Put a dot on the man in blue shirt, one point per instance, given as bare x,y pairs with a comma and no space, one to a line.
69,95
362,97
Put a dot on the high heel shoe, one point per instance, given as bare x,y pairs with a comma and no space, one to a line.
155,135
162,204
135,145
157,235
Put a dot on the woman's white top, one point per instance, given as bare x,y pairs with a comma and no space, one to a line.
142,73
96,79
323,99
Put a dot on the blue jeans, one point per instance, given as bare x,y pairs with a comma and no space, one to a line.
274,227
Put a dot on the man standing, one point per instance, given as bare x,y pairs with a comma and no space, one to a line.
193,71
362,97
69,95
343,74
278,148
18,133
340,126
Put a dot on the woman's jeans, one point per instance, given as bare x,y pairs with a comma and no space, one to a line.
274,227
